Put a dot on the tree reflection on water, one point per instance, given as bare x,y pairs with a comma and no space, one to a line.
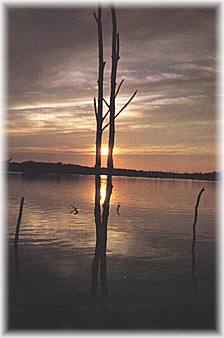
99,265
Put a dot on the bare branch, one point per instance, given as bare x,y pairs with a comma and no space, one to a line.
119,87
106,125
95,17
120,111
106,114
106,103
95,109
126,104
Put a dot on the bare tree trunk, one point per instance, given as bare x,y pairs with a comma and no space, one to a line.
99,111
115,58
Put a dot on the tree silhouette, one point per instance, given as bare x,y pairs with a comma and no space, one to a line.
114,90
99,109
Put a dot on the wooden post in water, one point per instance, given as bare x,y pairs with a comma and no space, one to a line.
196,212
19,221
194,276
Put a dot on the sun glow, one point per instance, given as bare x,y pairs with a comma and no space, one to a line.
104,150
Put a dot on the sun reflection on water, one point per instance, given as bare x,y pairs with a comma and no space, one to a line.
103,188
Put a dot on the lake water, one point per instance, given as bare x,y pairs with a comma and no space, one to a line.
150,280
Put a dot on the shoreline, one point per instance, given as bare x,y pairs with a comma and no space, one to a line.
36,169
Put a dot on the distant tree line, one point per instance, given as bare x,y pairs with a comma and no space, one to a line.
32,168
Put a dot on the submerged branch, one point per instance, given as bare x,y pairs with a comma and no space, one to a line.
196,212
16,240
194,274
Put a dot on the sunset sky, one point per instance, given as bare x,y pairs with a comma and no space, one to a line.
168,55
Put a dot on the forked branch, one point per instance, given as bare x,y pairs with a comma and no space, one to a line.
118,89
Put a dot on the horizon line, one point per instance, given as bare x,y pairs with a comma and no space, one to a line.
106,168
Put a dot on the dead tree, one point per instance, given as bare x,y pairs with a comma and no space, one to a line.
113,91
99,109
100,117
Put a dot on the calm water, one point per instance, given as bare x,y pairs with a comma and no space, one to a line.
149,258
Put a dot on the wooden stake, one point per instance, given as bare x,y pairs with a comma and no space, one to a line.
194,275
196,212
19,221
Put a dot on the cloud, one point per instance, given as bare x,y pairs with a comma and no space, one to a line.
168,55
162,77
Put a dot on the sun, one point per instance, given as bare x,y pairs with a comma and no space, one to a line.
104,150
